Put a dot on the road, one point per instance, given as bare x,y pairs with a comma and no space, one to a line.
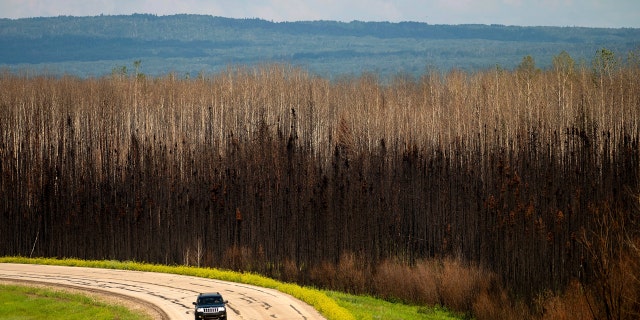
170,295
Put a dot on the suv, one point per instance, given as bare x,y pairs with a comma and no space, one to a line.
210,306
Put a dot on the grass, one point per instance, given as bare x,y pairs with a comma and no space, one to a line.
369,308
332,305
20,302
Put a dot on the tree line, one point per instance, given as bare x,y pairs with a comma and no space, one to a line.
91,46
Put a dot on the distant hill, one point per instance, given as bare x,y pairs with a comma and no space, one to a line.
190,44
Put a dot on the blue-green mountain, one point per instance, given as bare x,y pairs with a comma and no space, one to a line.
191,44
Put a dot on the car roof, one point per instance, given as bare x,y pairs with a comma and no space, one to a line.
210,294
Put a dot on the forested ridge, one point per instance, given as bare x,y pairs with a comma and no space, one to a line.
277,171
191,44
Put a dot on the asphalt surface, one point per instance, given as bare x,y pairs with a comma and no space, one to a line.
169,296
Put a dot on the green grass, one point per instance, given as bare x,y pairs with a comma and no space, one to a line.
365,308
19,302
332,305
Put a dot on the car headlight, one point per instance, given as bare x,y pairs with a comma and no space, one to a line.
220,309
200,309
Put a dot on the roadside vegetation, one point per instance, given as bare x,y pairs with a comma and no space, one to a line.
370,308
498,193
23,302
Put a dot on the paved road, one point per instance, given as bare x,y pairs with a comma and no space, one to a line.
173,294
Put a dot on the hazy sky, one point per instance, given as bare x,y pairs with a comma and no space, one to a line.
589,13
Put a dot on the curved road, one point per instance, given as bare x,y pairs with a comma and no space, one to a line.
173,294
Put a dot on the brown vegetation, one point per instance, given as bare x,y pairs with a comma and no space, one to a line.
526,177
449,282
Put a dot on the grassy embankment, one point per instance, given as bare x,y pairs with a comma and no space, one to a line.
19,302
333,305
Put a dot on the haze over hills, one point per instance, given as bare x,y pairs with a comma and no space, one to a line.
191,44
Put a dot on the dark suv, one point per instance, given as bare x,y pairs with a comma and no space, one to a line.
210,306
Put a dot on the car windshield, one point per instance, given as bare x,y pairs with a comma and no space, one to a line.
210,300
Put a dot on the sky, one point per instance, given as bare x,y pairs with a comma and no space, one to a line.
585,13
